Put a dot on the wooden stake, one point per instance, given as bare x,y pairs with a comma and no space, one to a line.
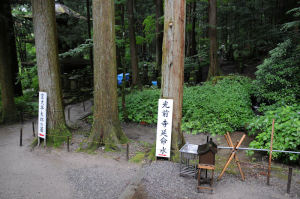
270,156
127,151
289,180
68,144
21,135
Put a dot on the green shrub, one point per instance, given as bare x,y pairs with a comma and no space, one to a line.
215,107
277,79
27,103
286,131
29,78
141,106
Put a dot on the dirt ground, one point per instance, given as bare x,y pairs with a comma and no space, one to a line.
55,173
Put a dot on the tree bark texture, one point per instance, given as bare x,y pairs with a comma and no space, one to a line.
173,64
9,111
159,36
106,127
133,50
47,60
214,69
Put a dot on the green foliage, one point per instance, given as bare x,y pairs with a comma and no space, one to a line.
27,103
79,50
286,131
141,106
293,24
277,79
149,28
215,108
29,78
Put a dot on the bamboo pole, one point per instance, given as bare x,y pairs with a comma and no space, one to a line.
270,155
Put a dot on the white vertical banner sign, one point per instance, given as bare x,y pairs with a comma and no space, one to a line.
42,115
164,128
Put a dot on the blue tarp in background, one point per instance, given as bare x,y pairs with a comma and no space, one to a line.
154,83
120,78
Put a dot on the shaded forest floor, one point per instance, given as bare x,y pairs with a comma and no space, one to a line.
55,173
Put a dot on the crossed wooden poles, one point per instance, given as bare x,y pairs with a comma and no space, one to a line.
233,155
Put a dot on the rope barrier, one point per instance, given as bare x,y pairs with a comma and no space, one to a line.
253,149
74,139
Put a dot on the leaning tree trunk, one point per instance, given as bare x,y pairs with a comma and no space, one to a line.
133,51
106,127
9,111
173,64
47,61
214,68
159,38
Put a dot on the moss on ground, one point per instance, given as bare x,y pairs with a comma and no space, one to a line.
58,136
139,157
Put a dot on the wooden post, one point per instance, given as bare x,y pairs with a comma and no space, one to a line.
21,135
83,105
68,143
127,151
33,131
289,180
270,156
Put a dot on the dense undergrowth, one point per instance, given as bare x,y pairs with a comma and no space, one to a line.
215,107
286,131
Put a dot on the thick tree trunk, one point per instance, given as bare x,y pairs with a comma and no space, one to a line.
106,127
13,53
173,64
133,51
47,61
214,69
9,111
88,16
159,37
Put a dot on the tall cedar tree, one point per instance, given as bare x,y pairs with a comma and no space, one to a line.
173,64
133,50
9,111
214,68
159,35
106,127
47,61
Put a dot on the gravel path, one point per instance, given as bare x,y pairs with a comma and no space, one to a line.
54,173
100,182
162,181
